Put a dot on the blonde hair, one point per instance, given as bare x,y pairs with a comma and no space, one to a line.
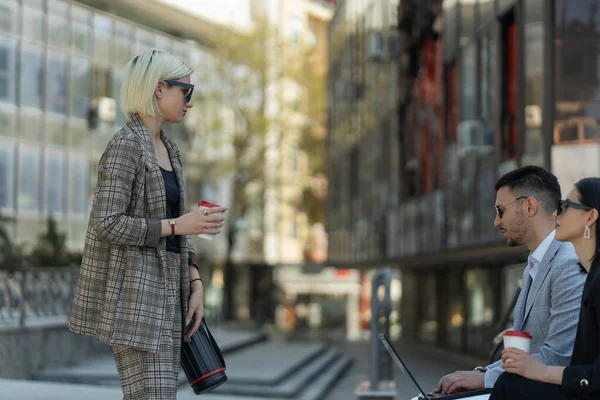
140,77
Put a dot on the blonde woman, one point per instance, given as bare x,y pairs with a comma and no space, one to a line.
138,275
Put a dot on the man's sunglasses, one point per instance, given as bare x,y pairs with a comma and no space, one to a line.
500,209
563,204
188,86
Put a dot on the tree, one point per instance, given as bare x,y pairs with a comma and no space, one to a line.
10,254
50,250
245,117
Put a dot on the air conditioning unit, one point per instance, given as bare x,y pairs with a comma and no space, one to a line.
533,116
107,109
473,138
375,46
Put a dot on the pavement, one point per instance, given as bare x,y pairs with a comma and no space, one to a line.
426,364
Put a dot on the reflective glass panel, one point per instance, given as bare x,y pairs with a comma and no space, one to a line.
7,120
31,125
7,173
9,16
55,182
29,178
8,76
33,23
57,83
32,76
78,183
81,70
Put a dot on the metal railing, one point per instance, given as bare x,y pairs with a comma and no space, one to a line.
36,294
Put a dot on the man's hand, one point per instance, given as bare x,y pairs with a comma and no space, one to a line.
461,380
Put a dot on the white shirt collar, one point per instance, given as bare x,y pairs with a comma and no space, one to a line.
541,250
536,257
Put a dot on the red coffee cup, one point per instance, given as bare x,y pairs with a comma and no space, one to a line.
517,339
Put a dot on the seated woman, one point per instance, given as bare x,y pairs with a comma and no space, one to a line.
526,377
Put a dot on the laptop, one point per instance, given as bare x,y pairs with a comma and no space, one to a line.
422,396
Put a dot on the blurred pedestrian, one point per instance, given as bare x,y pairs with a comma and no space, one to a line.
526,377
139,278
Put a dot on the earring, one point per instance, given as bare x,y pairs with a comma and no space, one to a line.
587,233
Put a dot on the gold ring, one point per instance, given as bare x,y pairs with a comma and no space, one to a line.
205,212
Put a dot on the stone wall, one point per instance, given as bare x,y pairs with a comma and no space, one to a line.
24,350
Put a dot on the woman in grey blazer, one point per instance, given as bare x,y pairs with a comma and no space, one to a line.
138,275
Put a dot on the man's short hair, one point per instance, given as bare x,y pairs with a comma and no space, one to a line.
533,181
140,77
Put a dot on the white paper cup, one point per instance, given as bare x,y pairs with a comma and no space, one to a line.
516,339
203,205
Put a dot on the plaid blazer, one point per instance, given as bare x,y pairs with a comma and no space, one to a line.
549,310
120,296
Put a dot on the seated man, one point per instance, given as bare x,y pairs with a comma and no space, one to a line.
548,305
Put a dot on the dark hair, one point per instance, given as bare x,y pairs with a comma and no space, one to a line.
533,181
589,190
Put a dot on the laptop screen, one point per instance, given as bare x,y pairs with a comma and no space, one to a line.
388,346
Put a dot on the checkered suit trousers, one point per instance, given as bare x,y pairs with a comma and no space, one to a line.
154,376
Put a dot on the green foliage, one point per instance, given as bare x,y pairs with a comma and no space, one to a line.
50,249
10,254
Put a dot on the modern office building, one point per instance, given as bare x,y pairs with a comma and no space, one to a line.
60,63
430,102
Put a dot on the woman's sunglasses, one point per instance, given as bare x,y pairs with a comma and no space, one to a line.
188,86
563,204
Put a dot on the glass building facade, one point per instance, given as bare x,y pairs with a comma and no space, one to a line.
60,64
413,162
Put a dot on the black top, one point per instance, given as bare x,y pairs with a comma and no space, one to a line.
172,191
585,362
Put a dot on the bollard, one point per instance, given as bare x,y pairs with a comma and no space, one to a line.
381,385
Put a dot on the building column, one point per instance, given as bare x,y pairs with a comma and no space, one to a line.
353,316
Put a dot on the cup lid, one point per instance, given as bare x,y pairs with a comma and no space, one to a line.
517,334
206,204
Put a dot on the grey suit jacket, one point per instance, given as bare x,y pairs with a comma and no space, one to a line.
121,292
551,311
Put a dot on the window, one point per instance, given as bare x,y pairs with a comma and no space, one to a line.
78,184
8,16
7,120
8,63
29,178
7,174
80,87
80,31
103,39
120,119
33,20
145,40
32,77
55,182
56,129
124,43
79,133
31,125
57,83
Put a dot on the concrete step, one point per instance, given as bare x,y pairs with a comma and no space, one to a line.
290,386
102,371
269,363
320,387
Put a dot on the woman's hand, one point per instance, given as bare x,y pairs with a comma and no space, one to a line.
518,362
195,311
198,222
